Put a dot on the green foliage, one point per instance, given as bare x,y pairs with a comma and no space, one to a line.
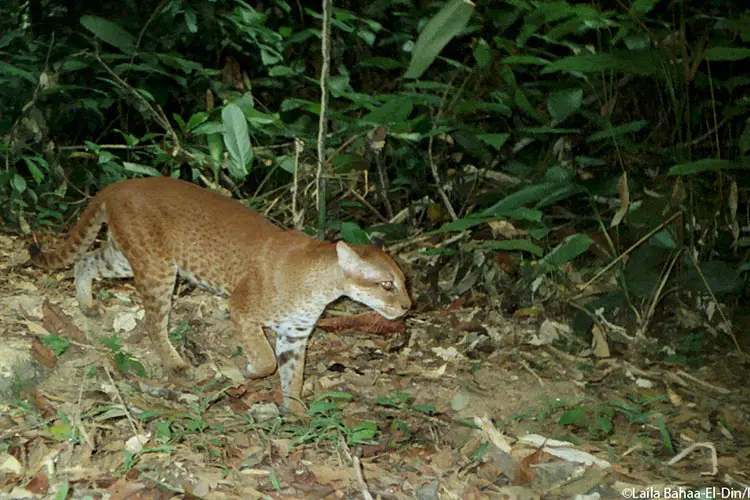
57,345
548,102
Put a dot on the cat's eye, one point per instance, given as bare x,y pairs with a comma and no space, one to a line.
387,285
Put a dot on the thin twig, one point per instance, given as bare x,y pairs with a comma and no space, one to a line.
713,297
433,166
296,217
368,205
626,252
135,426
323,122
360,478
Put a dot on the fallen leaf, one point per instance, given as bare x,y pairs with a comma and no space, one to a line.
59,323
526,473
42,354
39,484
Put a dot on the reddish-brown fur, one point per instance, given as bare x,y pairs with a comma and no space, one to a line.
274,277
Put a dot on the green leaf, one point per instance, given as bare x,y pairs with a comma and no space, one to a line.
575,416
57,345
197,119
137,168
112,343
614,132
704,165
510,246
19,183
568,250
563,103
237,140
10,70
363,431
529,194
495,140
633,61
745,138
446,24
396,109
428,409
36,173
482,53
642,6
209,128
727,53
352,233
537,61
385,63
63,491
110,32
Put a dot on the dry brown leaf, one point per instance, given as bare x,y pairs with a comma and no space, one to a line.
526,473
622,187
362,323
42,354
43,404
39,484
57,322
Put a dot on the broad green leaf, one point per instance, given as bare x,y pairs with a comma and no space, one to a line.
197,119
568,250
633,61
256,117
446,24
237,140
352,233
510,246
704,165
110,32
19,183
529,194
36,173
563,103
382,63
209,128
394,110
363,431
495,140
482,53
62,491
10,70
727,53
575,416
614,132
538,61
140,169
462,224
216,146
522,102
745,139
642,6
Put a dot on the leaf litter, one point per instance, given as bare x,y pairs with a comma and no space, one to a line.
455,402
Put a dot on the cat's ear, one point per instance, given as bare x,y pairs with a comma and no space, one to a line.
354,265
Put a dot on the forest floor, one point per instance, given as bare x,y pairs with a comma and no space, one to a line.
455,402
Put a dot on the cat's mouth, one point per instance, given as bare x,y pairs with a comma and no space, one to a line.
394,312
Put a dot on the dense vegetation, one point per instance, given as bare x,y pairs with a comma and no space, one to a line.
545,133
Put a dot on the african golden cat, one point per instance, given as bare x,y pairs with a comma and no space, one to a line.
161,227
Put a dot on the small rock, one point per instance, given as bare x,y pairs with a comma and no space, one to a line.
263,412
125,322
429,491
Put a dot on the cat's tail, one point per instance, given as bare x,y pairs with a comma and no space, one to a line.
79,239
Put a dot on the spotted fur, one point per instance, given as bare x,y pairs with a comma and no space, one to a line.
162,228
